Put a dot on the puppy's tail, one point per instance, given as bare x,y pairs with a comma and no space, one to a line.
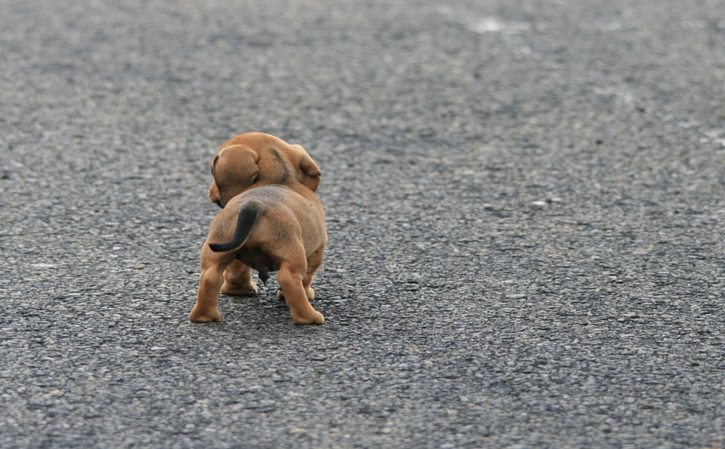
245,221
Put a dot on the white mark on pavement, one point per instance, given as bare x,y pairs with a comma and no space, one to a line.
496,25
486,24
43,265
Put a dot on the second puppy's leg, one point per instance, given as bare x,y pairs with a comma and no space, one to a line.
238,280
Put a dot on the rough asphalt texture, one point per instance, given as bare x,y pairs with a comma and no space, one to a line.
525,207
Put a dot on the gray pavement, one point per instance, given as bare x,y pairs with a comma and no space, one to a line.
525,208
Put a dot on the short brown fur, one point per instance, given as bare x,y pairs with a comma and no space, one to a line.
262,173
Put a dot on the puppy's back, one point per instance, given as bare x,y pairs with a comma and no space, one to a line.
267,215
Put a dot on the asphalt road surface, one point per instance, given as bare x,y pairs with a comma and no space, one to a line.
525,206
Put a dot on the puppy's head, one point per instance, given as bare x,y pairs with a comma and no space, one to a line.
257,159
233,170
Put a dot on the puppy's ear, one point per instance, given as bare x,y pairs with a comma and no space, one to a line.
212,164
309,172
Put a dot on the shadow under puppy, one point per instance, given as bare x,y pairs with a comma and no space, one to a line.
271,220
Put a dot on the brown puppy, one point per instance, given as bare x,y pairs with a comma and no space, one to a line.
271,221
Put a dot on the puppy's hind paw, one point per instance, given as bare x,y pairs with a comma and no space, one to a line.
205,316
313,318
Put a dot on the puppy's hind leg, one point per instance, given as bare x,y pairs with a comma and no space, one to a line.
290,281
313,263
205,310
238,280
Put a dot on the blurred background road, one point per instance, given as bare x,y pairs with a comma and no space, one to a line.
525,208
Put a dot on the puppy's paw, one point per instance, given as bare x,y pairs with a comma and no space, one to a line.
205,316
239,290
313,318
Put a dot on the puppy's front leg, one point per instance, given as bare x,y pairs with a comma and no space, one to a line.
238,280
289,279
